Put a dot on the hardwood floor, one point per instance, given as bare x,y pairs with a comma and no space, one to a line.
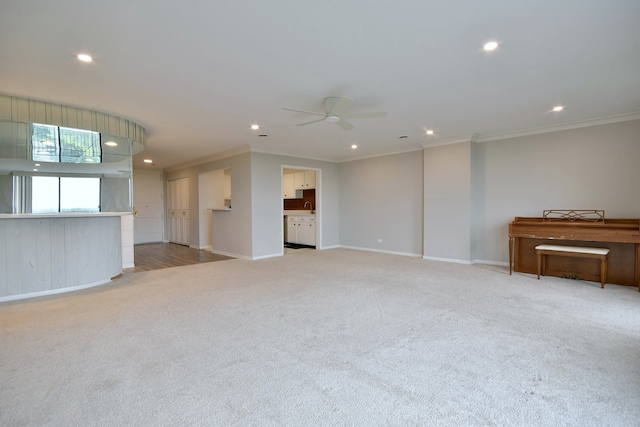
154,256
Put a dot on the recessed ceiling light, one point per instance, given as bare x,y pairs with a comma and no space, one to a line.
558,108
111,143
429,132
85,58
35,170
489,46
255,127
354,146
148,161
37,164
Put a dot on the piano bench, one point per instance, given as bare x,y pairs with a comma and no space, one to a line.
574,251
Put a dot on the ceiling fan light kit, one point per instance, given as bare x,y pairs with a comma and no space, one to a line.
334,109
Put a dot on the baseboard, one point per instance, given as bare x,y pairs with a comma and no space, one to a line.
267,256
382,251
328,247
206,248
55,291
484,261
456,261
248,258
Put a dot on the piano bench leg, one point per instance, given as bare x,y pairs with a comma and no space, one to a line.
603,272
539,260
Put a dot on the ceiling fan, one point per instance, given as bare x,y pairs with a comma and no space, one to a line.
334,109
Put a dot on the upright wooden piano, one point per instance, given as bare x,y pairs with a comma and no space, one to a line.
578,228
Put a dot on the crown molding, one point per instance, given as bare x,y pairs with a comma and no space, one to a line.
266,150
616,118
217,156
381,154
448,141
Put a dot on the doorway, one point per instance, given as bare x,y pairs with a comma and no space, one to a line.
178,208
301,208
148,221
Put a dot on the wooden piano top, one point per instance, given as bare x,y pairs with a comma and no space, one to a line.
620,230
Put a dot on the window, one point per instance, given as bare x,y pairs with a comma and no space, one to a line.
79,194
51,194
65,145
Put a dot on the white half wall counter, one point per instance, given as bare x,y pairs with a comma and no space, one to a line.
44,254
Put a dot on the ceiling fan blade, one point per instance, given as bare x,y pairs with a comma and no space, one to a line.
344,124
304,111
308,123
365,115
341,105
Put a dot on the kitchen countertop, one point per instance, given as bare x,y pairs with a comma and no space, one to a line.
298,212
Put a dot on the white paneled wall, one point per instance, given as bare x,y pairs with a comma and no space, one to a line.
14,109
45,255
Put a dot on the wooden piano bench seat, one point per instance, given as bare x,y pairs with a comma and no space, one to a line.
573,251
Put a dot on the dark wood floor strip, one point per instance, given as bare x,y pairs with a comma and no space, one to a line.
154,256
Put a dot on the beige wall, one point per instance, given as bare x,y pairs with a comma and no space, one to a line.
381,198
588,168
452,202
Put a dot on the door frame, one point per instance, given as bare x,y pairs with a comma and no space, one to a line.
318,201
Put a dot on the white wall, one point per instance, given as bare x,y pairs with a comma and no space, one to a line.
459,198
381,198
588,168
232,229
266,171
209,194
447,202
253,227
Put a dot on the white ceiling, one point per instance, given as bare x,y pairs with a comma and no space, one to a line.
196,74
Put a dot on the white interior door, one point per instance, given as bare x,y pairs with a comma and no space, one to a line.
148,202
178,207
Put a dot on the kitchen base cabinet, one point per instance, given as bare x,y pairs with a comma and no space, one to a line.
301,229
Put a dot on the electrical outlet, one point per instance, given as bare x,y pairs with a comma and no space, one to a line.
379,240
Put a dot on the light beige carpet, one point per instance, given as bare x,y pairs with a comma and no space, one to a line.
324,338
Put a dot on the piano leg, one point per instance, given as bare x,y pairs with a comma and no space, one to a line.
511,239
638,266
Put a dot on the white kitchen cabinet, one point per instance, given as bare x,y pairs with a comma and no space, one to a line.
311,231
292,229
289,189
305,180
301,229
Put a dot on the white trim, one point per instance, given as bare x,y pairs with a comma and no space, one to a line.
217,156
448,141
55,291
329,247
128,265
457,261
616,118
245,257
357,248
65,215
266,150
484,261
206,248
380,154
267,256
